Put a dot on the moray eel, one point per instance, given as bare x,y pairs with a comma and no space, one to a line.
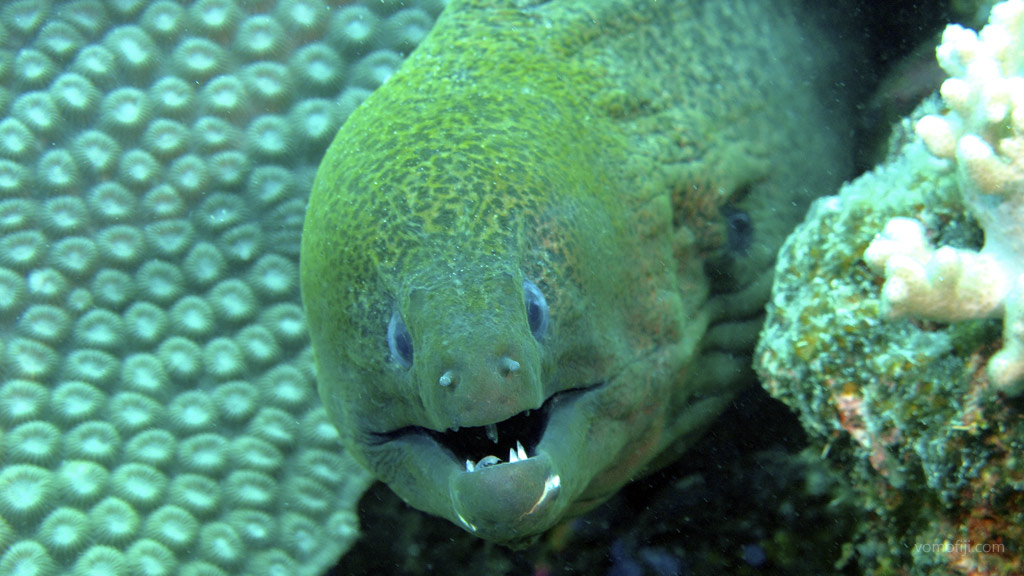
534,261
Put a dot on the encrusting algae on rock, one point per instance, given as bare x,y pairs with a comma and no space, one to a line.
550,235
883,330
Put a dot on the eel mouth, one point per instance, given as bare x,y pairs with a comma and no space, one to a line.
510,440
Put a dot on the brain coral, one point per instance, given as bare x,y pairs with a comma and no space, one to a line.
157,414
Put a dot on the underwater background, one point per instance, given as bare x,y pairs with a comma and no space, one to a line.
158,410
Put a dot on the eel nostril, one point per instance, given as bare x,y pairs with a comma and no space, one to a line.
447,378
507,366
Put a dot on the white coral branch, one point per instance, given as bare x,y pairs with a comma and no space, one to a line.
984,133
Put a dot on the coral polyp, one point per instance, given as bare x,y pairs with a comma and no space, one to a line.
125,111
26,493
261,37
172,96
65,532
97,153
198,59
17,142
135,53
215,18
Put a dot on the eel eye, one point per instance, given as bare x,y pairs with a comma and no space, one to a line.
739,229
399,340
536,309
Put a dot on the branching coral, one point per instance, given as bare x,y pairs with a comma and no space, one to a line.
983,133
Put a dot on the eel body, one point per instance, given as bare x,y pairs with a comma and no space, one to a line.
534,261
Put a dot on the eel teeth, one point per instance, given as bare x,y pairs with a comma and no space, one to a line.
518,453
514,455
488,461
492,432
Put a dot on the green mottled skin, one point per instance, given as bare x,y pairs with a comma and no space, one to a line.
587,147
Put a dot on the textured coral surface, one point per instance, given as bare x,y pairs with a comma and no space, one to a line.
895,326
157,407
902,408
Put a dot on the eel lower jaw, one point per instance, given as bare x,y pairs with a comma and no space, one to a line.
508,500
